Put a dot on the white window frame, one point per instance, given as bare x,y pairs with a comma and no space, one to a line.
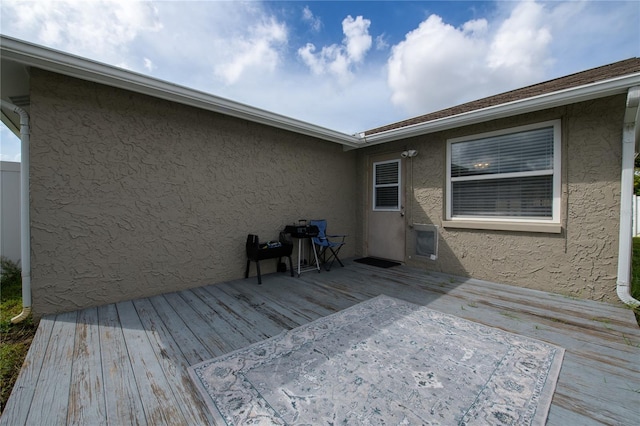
551,224
399,185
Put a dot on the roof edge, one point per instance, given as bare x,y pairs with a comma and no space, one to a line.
34,55
582,93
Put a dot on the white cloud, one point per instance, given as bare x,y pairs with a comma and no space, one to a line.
258,49
227,40
338,60
587,34
521,45
230,49
148,65
313,61
89,28
209,45
434,65
357,38
381,42
314,22
476,27
239,50
363,104
437,65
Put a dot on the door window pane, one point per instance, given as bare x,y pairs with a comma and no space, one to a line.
386,185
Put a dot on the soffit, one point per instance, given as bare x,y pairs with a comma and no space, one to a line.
14,88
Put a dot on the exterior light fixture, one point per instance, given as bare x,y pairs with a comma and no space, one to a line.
409,153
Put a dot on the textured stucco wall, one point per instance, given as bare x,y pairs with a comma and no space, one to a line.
10,244
133,196
579,262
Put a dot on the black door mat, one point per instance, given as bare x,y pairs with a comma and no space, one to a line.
380,263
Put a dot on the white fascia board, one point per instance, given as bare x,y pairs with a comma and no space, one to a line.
7,122
85,69
74,66
563,97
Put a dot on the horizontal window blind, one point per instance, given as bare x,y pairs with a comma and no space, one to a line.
386,185
387,197
518,197
513,153
387,173
508,175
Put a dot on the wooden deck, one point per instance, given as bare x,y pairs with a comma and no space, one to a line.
126,363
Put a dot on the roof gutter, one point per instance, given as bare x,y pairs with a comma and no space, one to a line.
25,235
75,66
536,103
78,67
630,139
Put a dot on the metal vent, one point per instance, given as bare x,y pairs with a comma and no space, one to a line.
20,101
426,240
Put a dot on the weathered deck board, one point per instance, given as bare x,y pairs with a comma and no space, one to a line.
127,363
51,397
122,399
192,349
172,361
86,396
22,393
234,338
266,308
237,321
156,392
298,303
203,328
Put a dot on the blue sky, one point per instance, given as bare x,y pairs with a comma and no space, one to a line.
348,66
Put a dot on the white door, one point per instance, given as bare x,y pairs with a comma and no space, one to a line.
386,224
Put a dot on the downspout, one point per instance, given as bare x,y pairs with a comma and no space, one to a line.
630,134
25,236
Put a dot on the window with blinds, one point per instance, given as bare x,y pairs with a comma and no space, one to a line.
514,175
386,185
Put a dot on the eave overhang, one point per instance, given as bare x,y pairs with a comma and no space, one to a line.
601,89
31,55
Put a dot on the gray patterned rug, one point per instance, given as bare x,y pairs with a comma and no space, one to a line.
384,361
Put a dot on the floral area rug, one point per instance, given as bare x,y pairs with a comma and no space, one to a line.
384,361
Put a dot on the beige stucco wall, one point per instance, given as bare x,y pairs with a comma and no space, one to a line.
10,244
579,262
132,196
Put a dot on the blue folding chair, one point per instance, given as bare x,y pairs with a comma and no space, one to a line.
325,244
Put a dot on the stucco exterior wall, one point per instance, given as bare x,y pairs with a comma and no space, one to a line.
579,262
10,244
132,196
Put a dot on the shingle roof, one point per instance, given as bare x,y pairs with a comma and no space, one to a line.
606,72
